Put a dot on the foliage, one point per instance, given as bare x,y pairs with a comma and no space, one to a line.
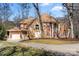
7,51
9,24
31,35
21,51
5,26
2,32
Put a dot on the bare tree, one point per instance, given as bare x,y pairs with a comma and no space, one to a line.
5,12
24,10
70,15
36,6
1,13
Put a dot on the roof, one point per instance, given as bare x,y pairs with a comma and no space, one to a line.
14,29
47,18
44,17
27,21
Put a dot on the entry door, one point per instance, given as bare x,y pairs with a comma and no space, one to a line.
37,34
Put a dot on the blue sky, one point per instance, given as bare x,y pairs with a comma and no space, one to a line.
55,9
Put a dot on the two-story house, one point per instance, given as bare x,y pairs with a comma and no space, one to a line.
30,28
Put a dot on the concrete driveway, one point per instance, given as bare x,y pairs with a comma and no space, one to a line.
64,48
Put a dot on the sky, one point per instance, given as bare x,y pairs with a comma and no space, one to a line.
54,9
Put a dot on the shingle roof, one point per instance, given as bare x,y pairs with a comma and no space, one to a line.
44,18
27,21
47,18
14,29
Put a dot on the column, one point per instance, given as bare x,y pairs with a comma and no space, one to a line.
52,30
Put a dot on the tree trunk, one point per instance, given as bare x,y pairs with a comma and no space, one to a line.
71,27
40,20
70,16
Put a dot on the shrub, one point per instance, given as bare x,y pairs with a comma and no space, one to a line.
2,32
21,51
7,51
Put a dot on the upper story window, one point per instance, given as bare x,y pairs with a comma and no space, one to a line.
37,27
23,26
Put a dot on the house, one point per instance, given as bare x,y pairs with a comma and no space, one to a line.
30,28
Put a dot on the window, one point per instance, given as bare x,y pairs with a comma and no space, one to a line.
22,26
37,27
8,33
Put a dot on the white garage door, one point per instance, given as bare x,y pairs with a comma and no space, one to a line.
15,36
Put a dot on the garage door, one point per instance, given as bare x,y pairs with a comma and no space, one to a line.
15,36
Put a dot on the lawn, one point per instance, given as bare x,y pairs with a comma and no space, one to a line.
51,41
17,49
29,51
5,44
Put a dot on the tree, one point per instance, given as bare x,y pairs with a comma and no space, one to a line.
2,32
24,10
76,19
70,15
5,12
17,19
36,6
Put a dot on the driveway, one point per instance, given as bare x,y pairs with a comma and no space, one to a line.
69,49
64,48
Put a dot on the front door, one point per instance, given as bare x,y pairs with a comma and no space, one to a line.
47,30
37,34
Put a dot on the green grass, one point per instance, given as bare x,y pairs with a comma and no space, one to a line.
51,41
6,44
20,51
